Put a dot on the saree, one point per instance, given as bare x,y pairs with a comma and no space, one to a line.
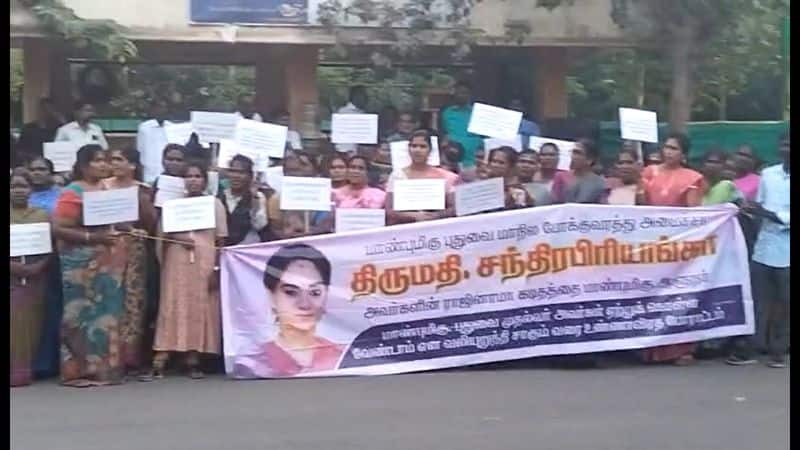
27,309
91,344
134,283
724,191
670,188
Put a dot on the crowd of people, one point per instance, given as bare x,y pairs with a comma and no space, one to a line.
114,302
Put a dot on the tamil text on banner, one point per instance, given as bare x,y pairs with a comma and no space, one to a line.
544,281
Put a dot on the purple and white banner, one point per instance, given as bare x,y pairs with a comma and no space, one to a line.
543,281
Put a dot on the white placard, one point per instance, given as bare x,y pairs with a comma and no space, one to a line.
30,239
638,125
564,149
62,154
419,195
178,133
354,129
169,188
213,126
274,177
353,219
228,149
187,214
111,206
265,139
305,194
401,159
479,196
495,122
493,143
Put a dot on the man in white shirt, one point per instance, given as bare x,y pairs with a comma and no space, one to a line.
771,265
281,117
81,130
246,108
357,105
151,138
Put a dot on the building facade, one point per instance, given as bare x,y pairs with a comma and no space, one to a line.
283,39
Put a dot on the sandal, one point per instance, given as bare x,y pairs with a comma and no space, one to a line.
78,383
151,375
196,374
685,360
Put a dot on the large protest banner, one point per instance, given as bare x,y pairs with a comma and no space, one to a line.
552,280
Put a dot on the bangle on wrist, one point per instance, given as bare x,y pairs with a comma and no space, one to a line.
86,235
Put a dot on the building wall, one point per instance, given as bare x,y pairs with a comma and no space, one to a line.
286,72
585,22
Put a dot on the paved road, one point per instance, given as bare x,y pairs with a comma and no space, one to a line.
705,407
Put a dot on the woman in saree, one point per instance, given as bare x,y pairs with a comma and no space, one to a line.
44,196
671,184
720,188
419,149
286,224
502,161
357,193
127,172
92,269
28,282
334,166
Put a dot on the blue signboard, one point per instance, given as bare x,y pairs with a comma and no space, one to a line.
249,11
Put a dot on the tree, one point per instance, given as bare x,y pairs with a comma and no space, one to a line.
736,76
101,38
742,53
682,32
606,79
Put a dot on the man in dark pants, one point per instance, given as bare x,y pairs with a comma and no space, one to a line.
769,269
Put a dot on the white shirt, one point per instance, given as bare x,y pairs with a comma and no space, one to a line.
772,246
349,108
72,132
151,138
256,116
294,140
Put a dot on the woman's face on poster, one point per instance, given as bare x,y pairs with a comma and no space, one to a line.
300,296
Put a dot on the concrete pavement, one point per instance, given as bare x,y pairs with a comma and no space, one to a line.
709,406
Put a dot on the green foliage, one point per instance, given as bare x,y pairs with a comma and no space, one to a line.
726,43
738,72
403,89
405,25
608,79
747,50
101,38
185,88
